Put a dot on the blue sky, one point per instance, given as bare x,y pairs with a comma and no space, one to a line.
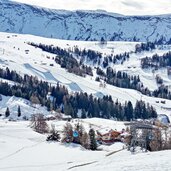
127,7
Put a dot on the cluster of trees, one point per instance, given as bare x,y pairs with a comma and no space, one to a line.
144,47
162,92
89,55
123,80
106,108
78,135
121,58
66,60
32,89
96,57
10,75
37,92
115,59
39,124
119,79
144,111
157,61
7,112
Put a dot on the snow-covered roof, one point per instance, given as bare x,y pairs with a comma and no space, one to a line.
50,116
105,131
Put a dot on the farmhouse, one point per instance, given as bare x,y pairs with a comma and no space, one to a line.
107,135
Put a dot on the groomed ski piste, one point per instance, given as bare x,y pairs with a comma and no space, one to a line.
36,62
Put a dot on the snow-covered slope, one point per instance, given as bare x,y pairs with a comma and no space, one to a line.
27,109
81,25
22,149
36,63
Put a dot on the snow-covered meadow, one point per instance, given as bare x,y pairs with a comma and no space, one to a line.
22,149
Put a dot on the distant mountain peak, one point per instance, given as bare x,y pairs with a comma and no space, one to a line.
82,24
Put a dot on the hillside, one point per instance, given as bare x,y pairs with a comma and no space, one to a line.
23,149
27,109
82,25
37,63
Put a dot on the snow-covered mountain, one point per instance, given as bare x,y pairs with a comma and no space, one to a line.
125,7
81,25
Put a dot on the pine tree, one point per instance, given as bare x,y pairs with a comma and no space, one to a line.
93,143
129,113
83,114
7,112
68,109
19,111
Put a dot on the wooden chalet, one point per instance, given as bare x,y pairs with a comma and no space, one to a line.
107,135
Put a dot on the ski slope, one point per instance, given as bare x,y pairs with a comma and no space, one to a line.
37,63
22,149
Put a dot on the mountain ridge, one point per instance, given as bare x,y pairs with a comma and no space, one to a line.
82,24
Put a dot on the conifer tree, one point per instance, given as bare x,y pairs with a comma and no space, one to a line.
93,143
129,112
7,112
83,114
19,111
